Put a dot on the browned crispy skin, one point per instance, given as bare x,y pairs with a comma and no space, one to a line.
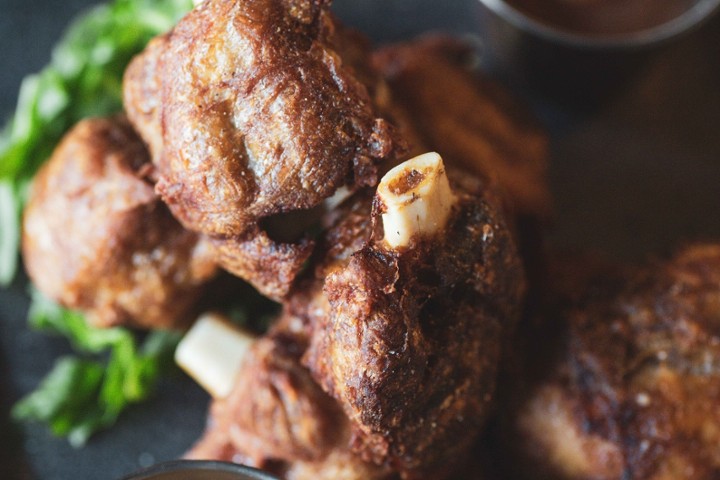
279,419
634,391
142,94
259,116
469,120
97,238
276,411
409,341
269,265
412,369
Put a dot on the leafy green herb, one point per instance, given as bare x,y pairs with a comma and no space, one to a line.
83,395
83,79
10,211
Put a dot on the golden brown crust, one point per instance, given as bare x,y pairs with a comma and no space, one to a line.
270,266
276,411
410,340
142,94
262,114
98,239
258,114
637,380
407,342
279,419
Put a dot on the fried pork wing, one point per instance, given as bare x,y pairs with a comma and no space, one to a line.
410,356
97,238
408,338
633,392
258,116
441,105
279,419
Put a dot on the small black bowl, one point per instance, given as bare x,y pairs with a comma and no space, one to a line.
199,470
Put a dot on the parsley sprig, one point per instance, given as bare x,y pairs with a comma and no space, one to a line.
83,393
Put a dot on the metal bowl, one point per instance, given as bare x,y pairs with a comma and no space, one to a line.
199,470
570,66
643,38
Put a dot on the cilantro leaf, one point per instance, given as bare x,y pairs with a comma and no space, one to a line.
83,395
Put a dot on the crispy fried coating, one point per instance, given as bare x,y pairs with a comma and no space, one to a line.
269,265
259,115
634,387
472,122
408,341
276,411
97,238
279,419
142,94
407,344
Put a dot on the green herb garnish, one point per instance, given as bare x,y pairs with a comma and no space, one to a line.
81,394
84,394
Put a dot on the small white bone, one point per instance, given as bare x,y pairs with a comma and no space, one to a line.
417,199
212,352
340,195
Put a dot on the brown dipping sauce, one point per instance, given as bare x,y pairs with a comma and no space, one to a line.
603,17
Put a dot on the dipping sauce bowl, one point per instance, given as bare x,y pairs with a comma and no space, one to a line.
577,51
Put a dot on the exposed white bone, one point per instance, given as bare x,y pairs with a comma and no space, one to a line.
212,351
340,195
417,199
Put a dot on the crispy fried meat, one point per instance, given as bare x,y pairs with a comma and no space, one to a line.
279,419
97,238
408,340
633,392
142,94
259,116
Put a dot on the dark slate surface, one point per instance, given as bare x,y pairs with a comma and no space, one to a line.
634,178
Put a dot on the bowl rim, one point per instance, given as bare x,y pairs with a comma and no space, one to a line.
690,19
199,465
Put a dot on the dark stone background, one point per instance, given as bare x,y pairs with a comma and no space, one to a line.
633,178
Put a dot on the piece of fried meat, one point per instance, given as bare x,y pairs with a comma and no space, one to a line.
259,115
97,238
408,338
633,389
